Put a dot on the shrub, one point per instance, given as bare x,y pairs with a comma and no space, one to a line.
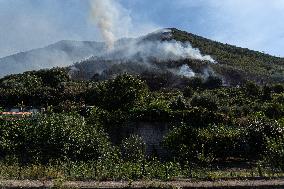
278,88
204,145
279,99
275,152
179,103
213,82
156,109
222,142
188,92
133,148
267,91
252,89
204,100
274,110
257,129
195,82
181,141
52,137
123,92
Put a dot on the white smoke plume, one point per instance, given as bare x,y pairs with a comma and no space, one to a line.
151,46
111,19
114,22
186,71
169,50
103,13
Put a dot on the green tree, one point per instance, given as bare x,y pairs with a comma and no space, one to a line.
213,82
252,89
53,137
123,92
204,100
179,103
195,82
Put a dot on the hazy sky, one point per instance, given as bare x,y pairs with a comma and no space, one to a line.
255,24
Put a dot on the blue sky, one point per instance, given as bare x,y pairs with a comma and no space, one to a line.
255,24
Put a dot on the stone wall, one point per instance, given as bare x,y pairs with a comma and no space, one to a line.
152,134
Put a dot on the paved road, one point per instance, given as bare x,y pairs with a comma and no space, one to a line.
275,183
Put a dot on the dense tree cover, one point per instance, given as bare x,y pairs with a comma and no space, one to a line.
52,137
35,88
123,92
210,123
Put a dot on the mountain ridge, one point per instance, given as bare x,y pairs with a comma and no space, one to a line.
62,53
234,64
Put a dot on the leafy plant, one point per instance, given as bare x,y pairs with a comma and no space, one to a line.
133,148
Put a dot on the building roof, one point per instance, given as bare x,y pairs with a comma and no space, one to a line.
16,113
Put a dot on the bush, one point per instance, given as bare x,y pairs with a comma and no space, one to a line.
278,88
213,82
133,148
53,137
275,147
252,89
205,101
274,110
53,77
188,92
275,152
195,82
179,103
123,92
204,145
181,141
257,129
279,99
156,109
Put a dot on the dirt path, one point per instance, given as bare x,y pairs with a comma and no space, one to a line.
276,183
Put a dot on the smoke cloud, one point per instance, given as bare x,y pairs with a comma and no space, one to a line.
103,14
148,52
186,71
170,50
112,20
152,47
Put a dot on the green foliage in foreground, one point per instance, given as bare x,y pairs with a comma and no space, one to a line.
253,140
52,137
208,125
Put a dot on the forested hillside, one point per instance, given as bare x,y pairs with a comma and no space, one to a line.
234,65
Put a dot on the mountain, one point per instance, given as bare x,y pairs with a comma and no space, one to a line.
60,54
169,53
179,53
235,63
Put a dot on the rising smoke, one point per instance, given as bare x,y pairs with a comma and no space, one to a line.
186,71
112,20
103,14
146,49
108,14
